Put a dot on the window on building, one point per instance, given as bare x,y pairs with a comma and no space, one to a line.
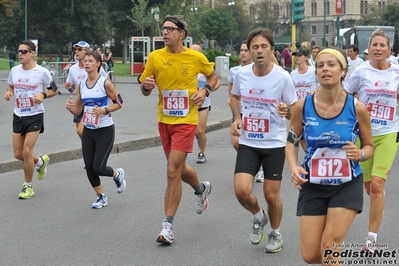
343,7
326,29
328,8
314,8
313,29
365,7
361,8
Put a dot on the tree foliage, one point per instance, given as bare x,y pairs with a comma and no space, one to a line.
218,24
59,23
141,16
386,16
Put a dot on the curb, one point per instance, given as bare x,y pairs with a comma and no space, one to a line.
66,155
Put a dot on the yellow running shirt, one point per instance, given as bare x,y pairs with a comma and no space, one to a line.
176,78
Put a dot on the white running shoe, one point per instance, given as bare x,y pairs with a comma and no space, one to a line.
201,201
166,236
259,177
370,244
258,234
102,201
120,180
274,243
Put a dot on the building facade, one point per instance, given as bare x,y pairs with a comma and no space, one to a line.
317,14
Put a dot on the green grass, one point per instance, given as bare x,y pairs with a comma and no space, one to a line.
121,70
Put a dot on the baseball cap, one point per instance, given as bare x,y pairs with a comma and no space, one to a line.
366,51
82,44
301,52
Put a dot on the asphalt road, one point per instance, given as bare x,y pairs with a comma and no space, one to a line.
58,227
136,123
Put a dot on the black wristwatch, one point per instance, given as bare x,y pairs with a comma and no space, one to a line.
144,89
106,110
208,90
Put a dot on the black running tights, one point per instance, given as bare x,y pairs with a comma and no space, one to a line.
96,147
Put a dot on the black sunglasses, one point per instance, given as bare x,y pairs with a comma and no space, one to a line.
80,49
24,51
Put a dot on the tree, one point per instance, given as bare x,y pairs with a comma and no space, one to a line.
10,19
55,23
386,16
219,25
267,15
141,16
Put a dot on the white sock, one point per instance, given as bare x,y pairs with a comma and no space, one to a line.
373,235
277,230
28,183
39,163
259,215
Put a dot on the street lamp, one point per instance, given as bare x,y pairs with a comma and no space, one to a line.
194,9
26,20
284,21
156,12
231,4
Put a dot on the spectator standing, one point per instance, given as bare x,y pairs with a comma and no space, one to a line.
12,57
286,58
108,58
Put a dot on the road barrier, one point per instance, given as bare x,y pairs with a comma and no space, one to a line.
59,71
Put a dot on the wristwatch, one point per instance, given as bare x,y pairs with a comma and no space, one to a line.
208,90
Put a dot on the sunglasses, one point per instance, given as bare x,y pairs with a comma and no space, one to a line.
24,51
169,29
79,49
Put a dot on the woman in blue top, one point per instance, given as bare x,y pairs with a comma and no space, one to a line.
330,178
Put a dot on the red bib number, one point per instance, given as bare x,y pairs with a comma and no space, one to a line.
90,119
175,102
24,102
381,111
256,124
330,167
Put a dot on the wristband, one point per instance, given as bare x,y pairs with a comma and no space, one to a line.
106,110
44,95
363,157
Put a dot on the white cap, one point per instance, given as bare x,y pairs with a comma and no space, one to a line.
366,51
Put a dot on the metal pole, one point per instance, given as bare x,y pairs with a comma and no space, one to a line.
267,14
184,10
231,39
26,19
338,27
324,25
293,46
